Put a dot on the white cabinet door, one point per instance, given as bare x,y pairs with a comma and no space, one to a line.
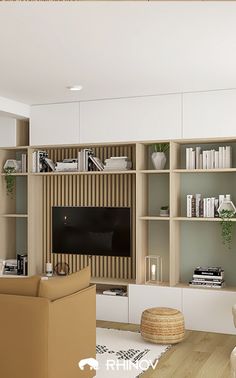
209,310
54,124
142,297
112,308
209,114
141,118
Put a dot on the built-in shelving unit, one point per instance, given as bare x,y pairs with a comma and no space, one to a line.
182,242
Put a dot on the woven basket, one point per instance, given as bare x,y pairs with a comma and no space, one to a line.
162,325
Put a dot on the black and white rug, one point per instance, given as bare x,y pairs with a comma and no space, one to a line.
125,354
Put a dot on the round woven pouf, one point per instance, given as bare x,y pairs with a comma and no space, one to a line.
162,325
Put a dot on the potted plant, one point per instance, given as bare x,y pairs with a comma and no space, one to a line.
164,211
10,180
226,226
158,155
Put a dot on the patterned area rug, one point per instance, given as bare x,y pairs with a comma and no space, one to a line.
125,354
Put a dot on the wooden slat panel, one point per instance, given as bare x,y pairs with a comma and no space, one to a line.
116,190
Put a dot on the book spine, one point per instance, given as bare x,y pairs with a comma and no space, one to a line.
193,160
204,207
228,157
189,205
203,276
208,159
204,159
187,158
198,151
193,207
221,152
198,199
209,273
216,159
201,162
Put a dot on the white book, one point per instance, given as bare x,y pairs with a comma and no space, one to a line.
221,198
224,157
228,157
189,205
198,151
205,207
212,206
212,158
190,158
193,160
208,159
216,160
198,199
187,166
208,211
34,158
221,153
204,159
201,162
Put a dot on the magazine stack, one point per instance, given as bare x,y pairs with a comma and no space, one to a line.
208,277
117,163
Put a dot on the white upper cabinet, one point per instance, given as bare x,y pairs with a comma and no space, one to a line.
54,124
131,119
209,114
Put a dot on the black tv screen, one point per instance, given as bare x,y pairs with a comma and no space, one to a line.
103,231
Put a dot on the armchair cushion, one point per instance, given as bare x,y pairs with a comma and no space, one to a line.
26,286
59,287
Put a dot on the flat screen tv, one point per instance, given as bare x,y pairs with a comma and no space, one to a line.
101,231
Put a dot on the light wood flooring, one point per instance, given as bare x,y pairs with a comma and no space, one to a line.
200,355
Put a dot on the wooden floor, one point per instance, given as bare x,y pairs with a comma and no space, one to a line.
200,355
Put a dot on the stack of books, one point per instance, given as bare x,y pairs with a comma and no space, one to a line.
115,291
117,163
10,266
205,207
22,264
67,165
38,161
208,277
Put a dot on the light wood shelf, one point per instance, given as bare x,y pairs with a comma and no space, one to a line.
154,171
153,218
89,173
110,281
14,215
15,174
222,170
200,219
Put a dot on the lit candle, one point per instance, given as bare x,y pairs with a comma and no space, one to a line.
153,272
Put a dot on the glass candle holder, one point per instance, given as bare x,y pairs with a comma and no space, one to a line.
153,269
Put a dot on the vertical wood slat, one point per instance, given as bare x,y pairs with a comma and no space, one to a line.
115,190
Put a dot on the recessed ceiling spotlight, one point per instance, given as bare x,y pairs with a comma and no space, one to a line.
75,87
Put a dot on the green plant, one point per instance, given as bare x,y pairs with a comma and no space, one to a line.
160,147
10,180
164,207
226,227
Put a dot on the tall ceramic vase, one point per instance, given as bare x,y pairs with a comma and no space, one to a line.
159,160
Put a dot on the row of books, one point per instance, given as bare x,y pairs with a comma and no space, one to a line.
204,207
86,161
212,277
209,159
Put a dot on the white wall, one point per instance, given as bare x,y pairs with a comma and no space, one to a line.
7,131
14,108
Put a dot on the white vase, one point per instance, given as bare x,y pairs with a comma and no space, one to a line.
158,160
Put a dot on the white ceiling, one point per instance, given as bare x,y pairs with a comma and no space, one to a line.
115,49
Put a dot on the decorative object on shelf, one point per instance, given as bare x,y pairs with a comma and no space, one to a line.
49,269
10,179
153,269
164,211
158,156
62,269
226,226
